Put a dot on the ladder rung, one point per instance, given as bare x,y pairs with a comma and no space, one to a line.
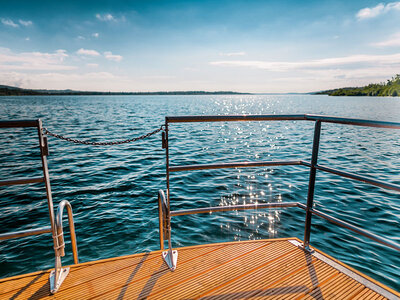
23,233
21,181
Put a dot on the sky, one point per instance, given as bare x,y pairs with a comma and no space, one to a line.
244,46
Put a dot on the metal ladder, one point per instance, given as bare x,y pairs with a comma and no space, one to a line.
58,275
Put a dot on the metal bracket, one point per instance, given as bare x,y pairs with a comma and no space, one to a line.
301,246
164,140
54,286
45,147
307,248
170,257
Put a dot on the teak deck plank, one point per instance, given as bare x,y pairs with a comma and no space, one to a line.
263,269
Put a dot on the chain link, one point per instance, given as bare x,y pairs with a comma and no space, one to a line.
76,141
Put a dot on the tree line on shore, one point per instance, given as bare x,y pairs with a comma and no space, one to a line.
389,88
6,90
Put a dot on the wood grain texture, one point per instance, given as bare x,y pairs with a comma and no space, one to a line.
263,269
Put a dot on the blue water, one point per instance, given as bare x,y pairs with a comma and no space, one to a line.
113,190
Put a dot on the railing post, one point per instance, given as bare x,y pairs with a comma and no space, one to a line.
161,219
311,184
165,144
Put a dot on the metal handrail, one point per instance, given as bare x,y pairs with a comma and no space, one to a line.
19,123
60,232
256,206
58,274
250,164
312,165
170,256
24,233
308,117
233,207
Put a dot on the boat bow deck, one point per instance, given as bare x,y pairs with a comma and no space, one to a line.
251,269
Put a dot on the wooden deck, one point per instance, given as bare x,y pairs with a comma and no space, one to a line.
253,269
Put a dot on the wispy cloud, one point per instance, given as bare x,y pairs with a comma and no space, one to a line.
9,22
33,60
335,62
25,23
380,9
87,52
92,65
95,81
95,35
393,41
233,54
111,56
105,17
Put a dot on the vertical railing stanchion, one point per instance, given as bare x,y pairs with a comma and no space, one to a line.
160,221
165,144
311,184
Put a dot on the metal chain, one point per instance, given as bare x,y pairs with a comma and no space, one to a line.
142,137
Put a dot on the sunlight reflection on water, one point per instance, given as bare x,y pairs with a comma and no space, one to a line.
113,190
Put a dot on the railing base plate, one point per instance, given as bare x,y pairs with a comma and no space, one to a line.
171,258
55,286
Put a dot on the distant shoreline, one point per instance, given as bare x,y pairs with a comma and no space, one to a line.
15,91
390,88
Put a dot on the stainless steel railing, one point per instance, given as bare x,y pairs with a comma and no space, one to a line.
58,274
312,165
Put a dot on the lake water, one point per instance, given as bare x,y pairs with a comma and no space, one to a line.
113,189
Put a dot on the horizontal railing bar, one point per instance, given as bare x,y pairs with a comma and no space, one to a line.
246,164
357,122
233,207
363,232
229,118
328,119
23,233
375,182
21,181
19,123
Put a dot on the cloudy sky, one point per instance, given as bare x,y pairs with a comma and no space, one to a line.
245,46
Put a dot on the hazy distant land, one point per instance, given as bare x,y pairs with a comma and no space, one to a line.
6,90
389,88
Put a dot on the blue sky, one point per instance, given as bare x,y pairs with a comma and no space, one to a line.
245,46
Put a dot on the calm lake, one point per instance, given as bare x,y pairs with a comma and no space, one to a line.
113,189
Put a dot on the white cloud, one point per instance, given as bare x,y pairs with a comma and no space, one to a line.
25,23
312,75
79,37
335,62
111,56
92,65
33,60
9,22
27,38
393,41
233,54
381,8
95,81
87,52
105,17
96,35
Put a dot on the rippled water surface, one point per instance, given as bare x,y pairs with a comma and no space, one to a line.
113,190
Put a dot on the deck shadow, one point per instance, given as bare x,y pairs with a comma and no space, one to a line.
131,276
260,293
21,290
